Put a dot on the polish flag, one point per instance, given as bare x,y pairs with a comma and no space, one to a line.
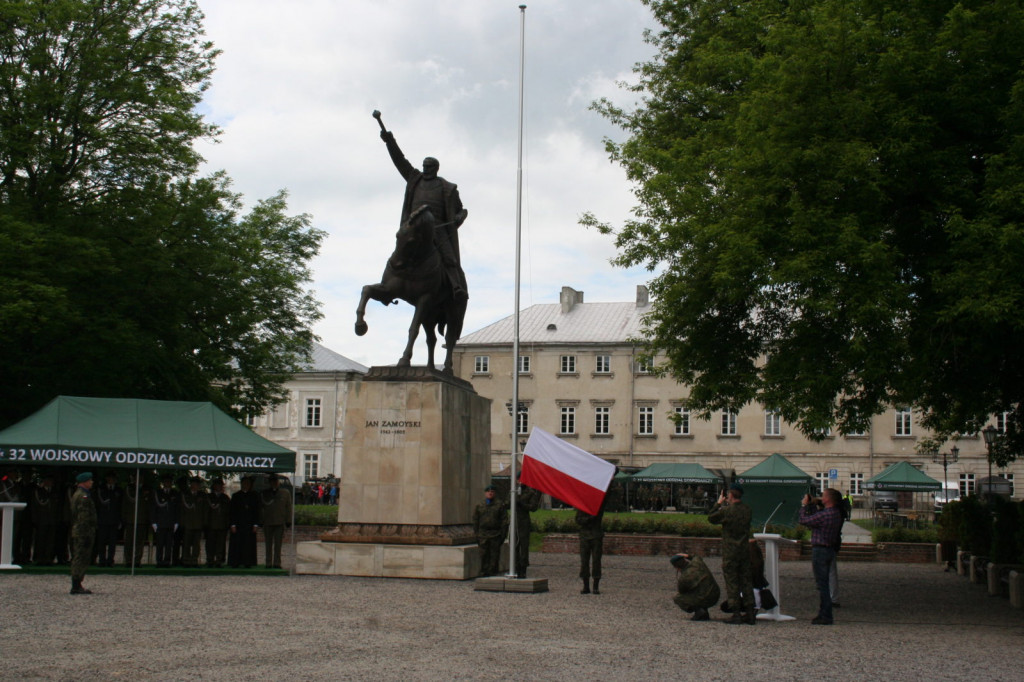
565,471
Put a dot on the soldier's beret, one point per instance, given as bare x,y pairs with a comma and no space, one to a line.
83,477
490,487
737,487
678,560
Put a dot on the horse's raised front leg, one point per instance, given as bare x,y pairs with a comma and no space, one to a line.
378,293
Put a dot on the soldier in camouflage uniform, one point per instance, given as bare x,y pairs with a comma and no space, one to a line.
490,523
735,517
193,520
528,500
83,532
275,515
591,547
696,587
218,519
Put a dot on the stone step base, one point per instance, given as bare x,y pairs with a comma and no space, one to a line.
502,584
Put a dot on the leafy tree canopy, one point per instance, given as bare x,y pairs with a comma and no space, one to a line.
123,273
831,196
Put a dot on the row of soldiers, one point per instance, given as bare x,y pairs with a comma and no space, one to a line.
177,518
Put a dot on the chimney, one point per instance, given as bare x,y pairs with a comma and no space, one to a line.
569,298
643,298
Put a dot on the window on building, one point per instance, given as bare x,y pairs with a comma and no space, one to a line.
728,423
524,364
856,484
1009,479
311,465
903,422
481,364
568,365
1001,420
313,408
966,484
604,364
857,432
523,420
602,420
821,478
772,423
683,421
250,419
824,432
645,424
644,366
568,423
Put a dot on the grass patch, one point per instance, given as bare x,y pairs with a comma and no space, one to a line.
316,515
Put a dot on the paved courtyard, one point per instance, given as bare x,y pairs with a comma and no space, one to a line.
897,622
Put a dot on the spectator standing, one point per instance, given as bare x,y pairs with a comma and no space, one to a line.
45,506
135,518
193,519
826,524
108,518
163,516
218,520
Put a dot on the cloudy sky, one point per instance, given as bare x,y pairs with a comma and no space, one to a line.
294,91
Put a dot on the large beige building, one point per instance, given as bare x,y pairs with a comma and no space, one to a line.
579,378
311,421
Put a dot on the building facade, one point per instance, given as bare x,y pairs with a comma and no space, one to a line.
581,379
311,420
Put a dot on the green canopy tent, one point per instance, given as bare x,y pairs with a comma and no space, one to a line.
775,481
139,434
104,433
902,477
688,473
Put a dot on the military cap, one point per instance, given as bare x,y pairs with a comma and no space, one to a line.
83,477
490,488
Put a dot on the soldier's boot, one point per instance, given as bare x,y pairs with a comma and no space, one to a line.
737,619
701,614
750,617
586,586
597,586
76,587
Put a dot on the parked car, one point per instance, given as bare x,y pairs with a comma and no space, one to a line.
885,499
951,493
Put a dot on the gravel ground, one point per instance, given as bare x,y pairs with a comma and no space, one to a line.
897,622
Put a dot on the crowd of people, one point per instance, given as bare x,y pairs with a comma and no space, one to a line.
187,523
319,491
747,590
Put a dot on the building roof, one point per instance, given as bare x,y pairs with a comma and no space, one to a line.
326,360
568,322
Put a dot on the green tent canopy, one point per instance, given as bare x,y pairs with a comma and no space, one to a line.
150,434
676,472
902,477
774,488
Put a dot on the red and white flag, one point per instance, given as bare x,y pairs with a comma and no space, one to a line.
565,471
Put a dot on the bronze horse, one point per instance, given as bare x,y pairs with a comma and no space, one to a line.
414,274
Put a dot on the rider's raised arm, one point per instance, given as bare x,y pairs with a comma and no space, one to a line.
397,157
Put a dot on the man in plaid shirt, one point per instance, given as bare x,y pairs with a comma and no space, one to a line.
826,525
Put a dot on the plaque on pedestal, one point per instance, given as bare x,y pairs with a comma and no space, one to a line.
417,458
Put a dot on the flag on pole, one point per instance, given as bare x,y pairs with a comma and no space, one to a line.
565,471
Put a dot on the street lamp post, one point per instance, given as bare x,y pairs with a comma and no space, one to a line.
953,456
991,434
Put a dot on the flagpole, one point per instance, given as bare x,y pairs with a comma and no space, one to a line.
512,530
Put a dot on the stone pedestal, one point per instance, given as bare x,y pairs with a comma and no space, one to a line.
417,458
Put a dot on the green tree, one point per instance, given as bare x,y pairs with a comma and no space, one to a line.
123,273
830,197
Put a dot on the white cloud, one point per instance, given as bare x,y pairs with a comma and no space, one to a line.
293,93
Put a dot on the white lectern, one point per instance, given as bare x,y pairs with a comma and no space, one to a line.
771,573
8,531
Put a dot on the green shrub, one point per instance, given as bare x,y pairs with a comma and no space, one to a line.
975,526
927,535
950,522
316,515
1004,532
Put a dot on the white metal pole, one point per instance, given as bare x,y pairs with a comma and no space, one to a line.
515,335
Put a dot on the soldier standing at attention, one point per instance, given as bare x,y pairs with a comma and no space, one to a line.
83,531
218,518
45,505
193,520
490,523
245,519
276,511
591,547
528,500
108,518
163,515
735,517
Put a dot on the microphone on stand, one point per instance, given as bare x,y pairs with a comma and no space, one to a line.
768,520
